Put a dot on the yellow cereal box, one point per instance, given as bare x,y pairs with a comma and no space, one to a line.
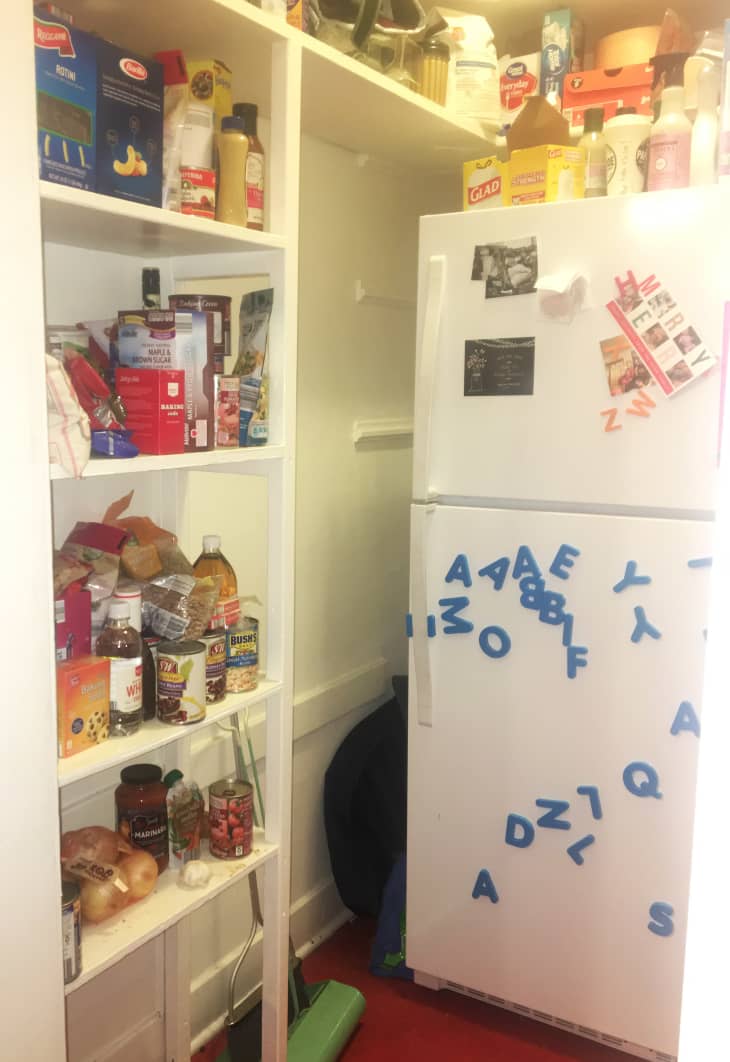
546,174
486,184
82,695
210,83
296,14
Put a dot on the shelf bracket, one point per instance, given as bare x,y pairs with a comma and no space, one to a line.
383,428
396,301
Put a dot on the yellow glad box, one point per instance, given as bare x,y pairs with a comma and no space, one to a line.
486,184
547,174
82,696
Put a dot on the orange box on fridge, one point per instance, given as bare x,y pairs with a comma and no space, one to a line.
485,184
624,86
82,699
546,174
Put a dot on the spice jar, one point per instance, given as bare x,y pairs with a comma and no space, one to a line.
141,802
434,70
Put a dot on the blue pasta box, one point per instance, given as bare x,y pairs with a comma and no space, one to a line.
65,65
129,103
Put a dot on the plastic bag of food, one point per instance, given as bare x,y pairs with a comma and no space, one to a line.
67,569
179,606
150,550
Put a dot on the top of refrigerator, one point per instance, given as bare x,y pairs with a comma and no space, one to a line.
518,405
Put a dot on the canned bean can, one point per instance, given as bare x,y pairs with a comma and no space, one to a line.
71,929
230,818
215,666
242,656
181,682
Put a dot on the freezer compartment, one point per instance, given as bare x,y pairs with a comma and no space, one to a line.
512,404
551,779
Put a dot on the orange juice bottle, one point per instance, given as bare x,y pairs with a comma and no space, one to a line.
212,562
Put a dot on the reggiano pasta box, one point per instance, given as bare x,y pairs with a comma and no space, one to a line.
486,184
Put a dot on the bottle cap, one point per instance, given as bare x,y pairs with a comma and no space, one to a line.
141,774
436,48
171,777
119,610
249,112
593,121
232,122
131,596
211,543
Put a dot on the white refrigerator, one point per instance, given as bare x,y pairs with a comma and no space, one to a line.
561,544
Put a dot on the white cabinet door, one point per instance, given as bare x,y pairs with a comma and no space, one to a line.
565,803
551,445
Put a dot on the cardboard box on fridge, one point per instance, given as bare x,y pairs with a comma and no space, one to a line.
519,77
485,184
562,50
547,174
625,86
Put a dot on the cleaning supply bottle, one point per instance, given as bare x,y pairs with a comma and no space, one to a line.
254,165
212,562
120,643
703,153
627,149
593,142
671,136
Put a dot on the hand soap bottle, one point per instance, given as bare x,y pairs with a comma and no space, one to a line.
671,137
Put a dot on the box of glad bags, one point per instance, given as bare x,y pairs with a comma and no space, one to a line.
486,184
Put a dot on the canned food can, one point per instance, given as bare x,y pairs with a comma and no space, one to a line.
71,929
181,682
230,818
242,655
215,666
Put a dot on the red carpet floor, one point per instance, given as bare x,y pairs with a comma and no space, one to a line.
405,1023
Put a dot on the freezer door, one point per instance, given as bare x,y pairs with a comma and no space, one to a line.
566,438
551,785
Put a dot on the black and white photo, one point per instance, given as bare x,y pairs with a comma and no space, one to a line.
508,268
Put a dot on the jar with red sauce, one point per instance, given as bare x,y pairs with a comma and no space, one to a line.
141,802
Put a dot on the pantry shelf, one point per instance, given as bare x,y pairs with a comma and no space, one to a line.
106,944
253,458
155,735
77,218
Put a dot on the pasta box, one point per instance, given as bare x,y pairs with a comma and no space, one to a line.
624,86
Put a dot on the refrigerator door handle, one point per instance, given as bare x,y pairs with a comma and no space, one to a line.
425,376
422,624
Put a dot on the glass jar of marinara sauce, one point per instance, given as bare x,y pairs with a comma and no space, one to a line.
141,802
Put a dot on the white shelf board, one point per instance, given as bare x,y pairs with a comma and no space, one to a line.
104,945
345,102
248,457
155,735
77,218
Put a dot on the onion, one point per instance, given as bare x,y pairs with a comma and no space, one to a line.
100,900
93,842
139,871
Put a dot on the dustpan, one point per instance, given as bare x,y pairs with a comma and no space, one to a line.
322,1016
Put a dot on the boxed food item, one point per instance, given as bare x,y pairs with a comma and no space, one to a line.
82,699
210,84
296,14
155,403
195,355
546,174
129,105
625,86
486,184
219,306
227,410
147,339
65,70
72,613
519,77
562,50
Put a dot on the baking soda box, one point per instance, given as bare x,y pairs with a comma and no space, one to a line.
486,184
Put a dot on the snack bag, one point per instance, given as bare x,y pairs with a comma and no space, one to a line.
149,550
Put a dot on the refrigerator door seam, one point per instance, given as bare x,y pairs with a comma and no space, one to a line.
426,373
420,522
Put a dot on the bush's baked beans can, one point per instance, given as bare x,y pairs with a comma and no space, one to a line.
71,930
215,666
230,818
242,655
181,682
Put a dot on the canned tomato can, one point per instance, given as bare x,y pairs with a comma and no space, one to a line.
230,817
71,929
181,682
242,655
215,666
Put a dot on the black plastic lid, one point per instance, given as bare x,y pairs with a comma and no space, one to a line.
433,47
626,110
171,777
593,121
249,112
141,774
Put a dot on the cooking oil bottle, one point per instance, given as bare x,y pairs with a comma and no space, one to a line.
212,562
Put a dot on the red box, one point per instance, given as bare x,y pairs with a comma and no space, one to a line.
624,86
155,404
73,623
